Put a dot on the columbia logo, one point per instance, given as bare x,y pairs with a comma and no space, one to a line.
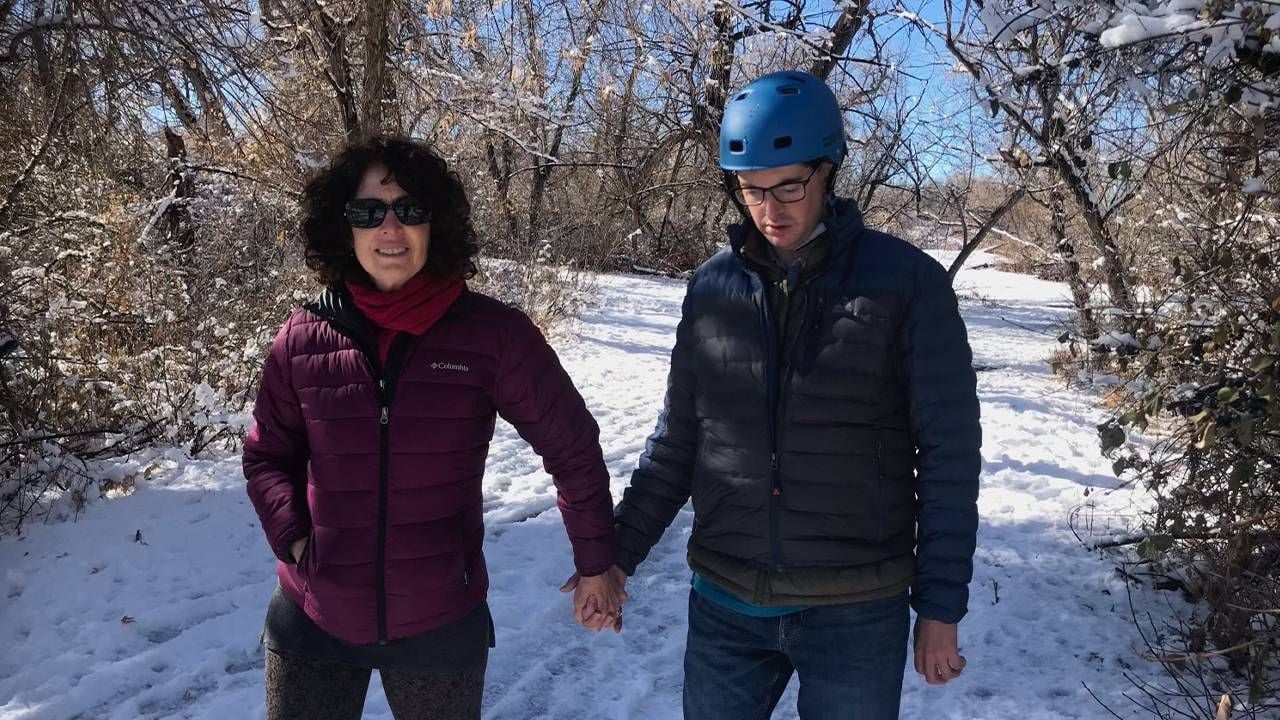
449,366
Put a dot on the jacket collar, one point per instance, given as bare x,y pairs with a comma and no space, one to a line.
335,305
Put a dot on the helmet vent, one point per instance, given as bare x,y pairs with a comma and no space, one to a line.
782,141
735,146
741,96
788,90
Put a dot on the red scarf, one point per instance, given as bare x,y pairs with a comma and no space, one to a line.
413,308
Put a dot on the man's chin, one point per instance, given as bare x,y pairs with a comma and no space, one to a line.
783,242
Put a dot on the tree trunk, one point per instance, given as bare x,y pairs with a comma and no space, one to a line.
329,40
543,174
501,175
186,115
373,92
42,51
971,244
1112,266
1055,144
181,236
211,101
846,26
1065,249
708,114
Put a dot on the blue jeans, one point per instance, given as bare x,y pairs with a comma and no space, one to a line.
850,659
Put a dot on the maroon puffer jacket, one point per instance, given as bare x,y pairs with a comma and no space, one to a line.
382,470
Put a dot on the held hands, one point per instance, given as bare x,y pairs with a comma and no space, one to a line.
598,600
937,655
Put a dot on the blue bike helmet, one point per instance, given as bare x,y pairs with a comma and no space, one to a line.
780,119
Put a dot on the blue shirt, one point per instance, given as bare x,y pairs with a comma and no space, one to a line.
720,596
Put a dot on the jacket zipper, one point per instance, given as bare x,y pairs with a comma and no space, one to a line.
386,391
384,454
389,371
384,447
777,421
771,400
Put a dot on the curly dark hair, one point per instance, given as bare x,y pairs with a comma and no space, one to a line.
422,173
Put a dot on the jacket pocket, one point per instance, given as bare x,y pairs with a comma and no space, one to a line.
859,323
304,563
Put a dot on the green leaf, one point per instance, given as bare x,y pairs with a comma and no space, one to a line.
1227,394
1199,417
1262,362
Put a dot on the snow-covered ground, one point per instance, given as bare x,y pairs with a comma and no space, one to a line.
151,605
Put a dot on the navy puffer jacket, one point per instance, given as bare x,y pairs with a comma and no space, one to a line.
855,449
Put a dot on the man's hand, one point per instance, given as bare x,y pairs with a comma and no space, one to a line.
296,549
598,600
937,653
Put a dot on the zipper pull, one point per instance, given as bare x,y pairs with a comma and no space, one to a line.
773,461
384,415
777,492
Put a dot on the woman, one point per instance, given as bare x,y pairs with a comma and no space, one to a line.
371,428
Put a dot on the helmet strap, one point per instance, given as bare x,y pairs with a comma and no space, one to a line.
730,183
831,186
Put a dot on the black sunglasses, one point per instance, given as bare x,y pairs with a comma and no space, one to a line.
370,212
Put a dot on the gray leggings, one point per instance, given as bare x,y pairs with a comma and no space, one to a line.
302,688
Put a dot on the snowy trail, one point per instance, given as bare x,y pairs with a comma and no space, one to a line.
99,622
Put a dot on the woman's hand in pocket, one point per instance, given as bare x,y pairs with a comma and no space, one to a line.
296,549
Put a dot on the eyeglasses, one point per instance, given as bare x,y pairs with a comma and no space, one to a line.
370,212
784,192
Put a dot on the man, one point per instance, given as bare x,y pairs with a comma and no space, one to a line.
821,411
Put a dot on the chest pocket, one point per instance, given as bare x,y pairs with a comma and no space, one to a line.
863,320
854,333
